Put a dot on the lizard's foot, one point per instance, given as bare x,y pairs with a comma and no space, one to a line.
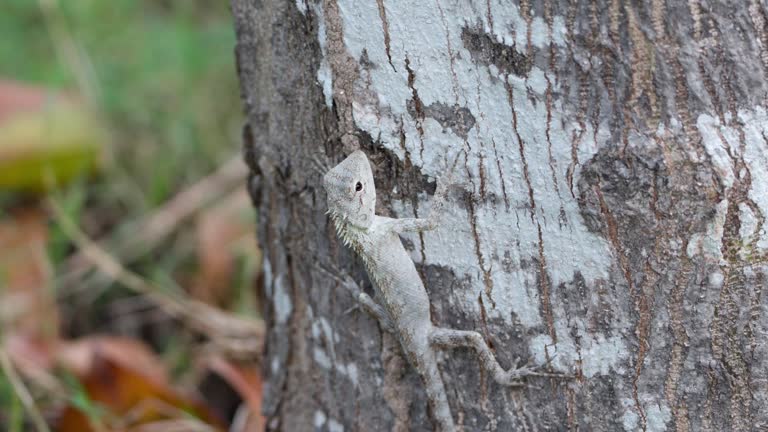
518,373
354,308
514,377
526,371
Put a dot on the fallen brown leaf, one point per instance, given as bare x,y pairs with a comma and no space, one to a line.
81,356
128,381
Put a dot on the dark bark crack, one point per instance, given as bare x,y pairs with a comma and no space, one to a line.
385,29
521,147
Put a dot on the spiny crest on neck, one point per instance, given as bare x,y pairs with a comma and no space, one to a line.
345,230
350,235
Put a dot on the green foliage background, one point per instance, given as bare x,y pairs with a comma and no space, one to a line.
162,78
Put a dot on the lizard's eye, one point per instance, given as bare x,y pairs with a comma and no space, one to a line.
358,187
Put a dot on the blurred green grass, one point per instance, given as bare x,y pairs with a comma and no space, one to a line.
165,86
164,77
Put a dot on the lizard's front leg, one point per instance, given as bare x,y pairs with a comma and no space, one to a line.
450,338
438,204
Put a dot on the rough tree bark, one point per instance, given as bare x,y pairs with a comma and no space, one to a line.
610,214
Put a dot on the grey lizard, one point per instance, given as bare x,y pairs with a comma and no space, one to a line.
402,304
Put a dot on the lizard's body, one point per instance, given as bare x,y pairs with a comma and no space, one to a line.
400,291
402,304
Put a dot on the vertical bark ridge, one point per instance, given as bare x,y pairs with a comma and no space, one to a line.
755,308
641,77
396,390
473,220
613,235
385,30
734,355
489,14
525,11
544,290
501,174
496,156
694,6
418,105
548,101
690,133
679,351
609,73
521,148
345,71
418,108
573,425
482,175
577,135
484,384
451,54
657,18
759,20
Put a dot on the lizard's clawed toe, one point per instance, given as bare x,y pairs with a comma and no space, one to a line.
351,309
515,376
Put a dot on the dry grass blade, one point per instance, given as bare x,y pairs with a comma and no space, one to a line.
22,392
152,229
214,323
70,51
164,221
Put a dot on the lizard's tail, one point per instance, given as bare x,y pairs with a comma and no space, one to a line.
438,401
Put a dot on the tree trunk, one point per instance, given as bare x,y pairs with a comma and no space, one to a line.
609,217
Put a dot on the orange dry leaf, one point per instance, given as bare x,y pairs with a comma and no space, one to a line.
125,379
80,356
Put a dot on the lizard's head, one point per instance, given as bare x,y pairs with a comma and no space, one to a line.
350,190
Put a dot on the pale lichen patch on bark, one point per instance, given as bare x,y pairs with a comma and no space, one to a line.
324,74
723,145
282,300
599,355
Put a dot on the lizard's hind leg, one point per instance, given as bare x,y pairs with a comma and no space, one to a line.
450,338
